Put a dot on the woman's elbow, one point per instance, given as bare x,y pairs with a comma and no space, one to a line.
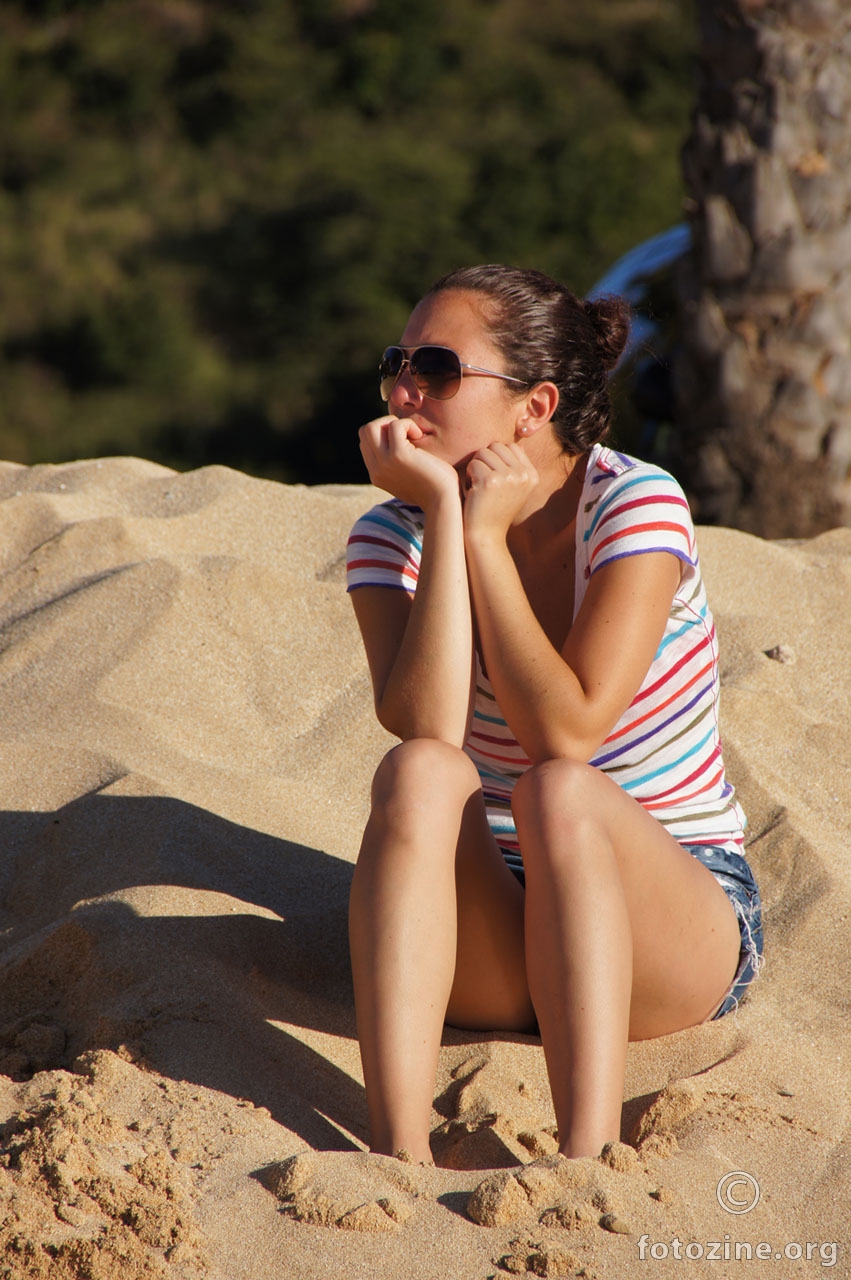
573,749
406,725
568,743
389,718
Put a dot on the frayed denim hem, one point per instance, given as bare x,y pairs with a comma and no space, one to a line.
734,874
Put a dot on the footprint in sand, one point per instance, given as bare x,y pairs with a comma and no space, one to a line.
493,1122
355,1191
607,1192
680,1109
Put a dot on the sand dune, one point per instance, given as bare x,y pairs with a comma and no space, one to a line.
186,744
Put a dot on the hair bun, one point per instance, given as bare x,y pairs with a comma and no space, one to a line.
610,318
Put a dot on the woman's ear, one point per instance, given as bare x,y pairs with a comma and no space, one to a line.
537,408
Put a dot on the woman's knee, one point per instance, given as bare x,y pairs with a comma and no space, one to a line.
423,770
419,794
559,788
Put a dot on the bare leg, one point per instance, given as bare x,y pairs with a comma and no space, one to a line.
627,936
579,961
436,930
402,932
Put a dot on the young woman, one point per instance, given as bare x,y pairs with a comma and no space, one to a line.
553,845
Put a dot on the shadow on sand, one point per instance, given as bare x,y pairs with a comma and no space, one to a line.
193,994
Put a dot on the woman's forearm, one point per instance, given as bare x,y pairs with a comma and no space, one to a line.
429,688
540,696
565,703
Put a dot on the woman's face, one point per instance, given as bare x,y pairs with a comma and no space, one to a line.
483,410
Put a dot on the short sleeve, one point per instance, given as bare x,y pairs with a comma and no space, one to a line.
385,547
642,509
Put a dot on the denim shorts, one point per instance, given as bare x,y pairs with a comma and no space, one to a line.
735,877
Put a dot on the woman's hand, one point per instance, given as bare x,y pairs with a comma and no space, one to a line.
394,463
499,482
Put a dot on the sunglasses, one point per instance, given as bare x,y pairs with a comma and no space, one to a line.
436,372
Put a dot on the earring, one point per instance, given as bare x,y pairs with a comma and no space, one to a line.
524,431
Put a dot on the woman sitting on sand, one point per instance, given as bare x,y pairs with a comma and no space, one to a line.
553,845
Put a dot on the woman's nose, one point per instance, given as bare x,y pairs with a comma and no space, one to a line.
405,390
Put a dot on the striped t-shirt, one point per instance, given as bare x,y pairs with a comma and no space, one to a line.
665,750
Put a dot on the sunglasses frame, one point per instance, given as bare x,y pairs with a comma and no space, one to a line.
409,354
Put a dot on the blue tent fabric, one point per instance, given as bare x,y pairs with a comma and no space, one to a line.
627,277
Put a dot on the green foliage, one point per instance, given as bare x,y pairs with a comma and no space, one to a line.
214,215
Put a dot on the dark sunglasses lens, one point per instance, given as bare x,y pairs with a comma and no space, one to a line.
436,371
388,370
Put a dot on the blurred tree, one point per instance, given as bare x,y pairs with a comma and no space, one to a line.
764,373
213,215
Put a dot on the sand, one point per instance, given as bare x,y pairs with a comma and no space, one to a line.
186,744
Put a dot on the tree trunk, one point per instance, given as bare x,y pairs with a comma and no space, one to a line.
763,374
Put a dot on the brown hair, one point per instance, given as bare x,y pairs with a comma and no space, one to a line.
546,334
